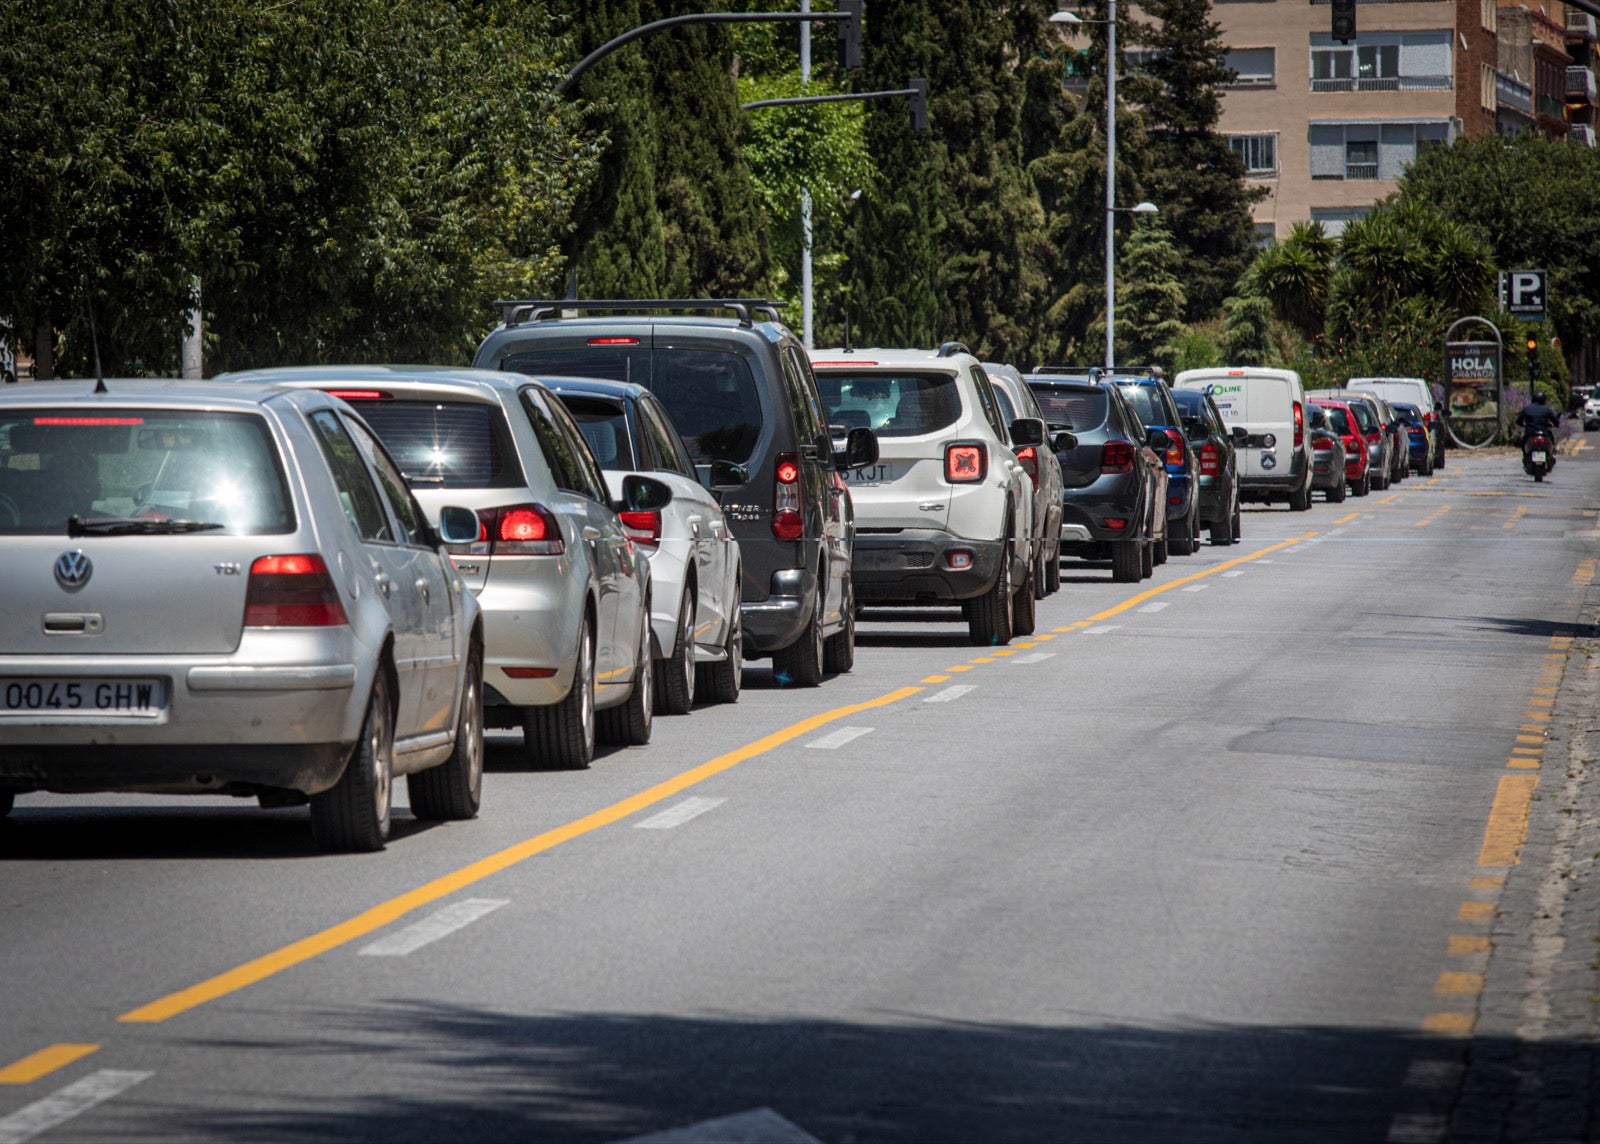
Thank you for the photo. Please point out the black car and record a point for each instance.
(1151, 398)
(740, 391)
(1215, 447)
(1114, 484)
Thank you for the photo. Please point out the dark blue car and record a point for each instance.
(1152, 400)
(1416, 434)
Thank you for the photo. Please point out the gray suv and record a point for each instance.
(739, 389)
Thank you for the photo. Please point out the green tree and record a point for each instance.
(1294, 277)
(1246, 331)
(1150, 298)
(1191, 173)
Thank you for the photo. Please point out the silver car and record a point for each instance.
(219, 590)
(564, 591)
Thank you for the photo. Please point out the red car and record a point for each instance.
(1343, 423)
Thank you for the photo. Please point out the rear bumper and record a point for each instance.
(1261, 486)
(913, 567)
(1084, 513)
(778, 621)
(306, 767)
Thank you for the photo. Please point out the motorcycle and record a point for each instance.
(1538, 454)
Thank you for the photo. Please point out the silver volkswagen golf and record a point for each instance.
(219, 589)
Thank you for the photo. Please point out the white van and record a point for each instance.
(1409, 391)
(1270, 405)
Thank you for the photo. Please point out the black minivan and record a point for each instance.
(741, 394)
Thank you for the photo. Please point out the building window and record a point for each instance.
(1361, 159)
(1266, 233)
(1489, 15)
(1383, 61)
(1486, 87)
(1256, 67)
(1258, 153)
(1335, 219)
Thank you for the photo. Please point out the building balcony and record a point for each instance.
(1550, 107)
(1580, 24)
(1580, 85)
(1581, 133)
(1513, 94)
(1386, 83)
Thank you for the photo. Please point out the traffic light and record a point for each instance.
(1533, 358)
(1344, 20)
(850, 33)
(919, 104)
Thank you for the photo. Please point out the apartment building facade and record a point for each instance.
(1328, 128)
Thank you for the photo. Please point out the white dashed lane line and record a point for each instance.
(1157, 606)
(832, 742)
(679, 813)
(1196, 587)
(1033, 657)
(1235, 572)
(950, 693)
(61, 1106)
(430, 929)
(1101, 629)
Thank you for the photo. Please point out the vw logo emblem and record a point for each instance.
(73, 569)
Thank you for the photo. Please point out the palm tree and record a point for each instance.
(1294, 276)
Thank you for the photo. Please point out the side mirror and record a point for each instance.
(1027, 431)
(1239, 435)
(860, 448)
(726, 475)
(1158, 441)
(1197, 430)
(458, 525)
(1062, 440)
(644, 494)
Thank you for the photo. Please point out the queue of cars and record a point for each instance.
(620, 502)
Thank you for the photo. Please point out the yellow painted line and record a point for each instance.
(1347, 518)
(1023, 645)
(1488, 881)
(1046, 636)
(1522, 763)
(1430, 484)
(1544, 690)
(937, 679)
(1540, 702)
(384, 913)
(1535, 727)
(984, 659)
(1530, 738)
(1448, 1024)
(1427, 520)
(1527, 750)
(1452, 984)
(1508, 821)
(1475, 911)
(1390, 499)
(999, 651)
(44, 1062)
(1462, 945)
(960, 667)
(1150, 593)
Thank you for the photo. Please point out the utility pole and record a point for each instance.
(805, 193)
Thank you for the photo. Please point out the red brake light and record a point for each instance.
(1116, 457)
(360, 394)
(292, 592)
(517, 530)
(88, 420)
(613, 341)
(642, 527)
(1210, 461)
(1028, 458)
(965, 464)
(1299, 425)
(1174, 454)
(1322, 443)
(788, 522)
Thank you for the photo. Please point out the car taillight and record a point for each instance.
(1028, 458)
(519, 530)
(1352, 444)
(292, 592)
(1299, 425)
(788, 523)
(1116, 457)
(642, 527)
(965, 463)
(1174, 454)
(1322, 444)
(1210, 461)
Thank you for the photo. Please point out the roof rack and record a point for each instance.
(949, 348)
(1076, 370)
(513, 312)
(1137, 371)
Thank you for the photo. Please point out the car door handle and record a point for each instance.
(422, 586)
(591, 533)
(385, 584)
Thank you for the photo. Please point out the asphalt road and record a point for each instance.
(1210, 858)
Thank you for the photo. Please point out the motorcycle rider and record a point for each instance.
(1537, 417)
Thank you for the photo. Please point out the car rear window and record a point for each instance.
(1146, 403)
(1071, 408)
(446, 444)
(1365, 417)
(891, 404)
(711, 396)
(152, 465)
(605, 426)
(1338, 420)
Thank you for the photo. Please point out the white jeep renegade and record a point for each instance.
(945, 515)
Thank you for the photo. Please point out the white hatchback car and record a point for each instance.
(946, 514)
(564, 592)
(694, 559)
(223, 590)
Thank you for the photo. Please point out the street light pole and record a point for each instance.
(805, 194)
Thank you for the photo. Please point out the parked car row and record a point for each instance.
(616, 506)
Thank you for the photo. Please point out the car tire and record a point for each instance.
(561, 736)
(839, 651)
(1053, 569)
(353, 815)
(1300, 499)
(1336, 494)
(1025, 606)
(1147, 560)
(800, 664)
(675, 675)
(453, 790)
(1363, 486)
(1188, 542)
(989, 615)
(8, 799)
(630, 723)
(1127, 560)
(720, 682)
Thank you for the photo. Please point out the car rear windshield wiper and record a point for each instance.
(423, 478)
(129, 525)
